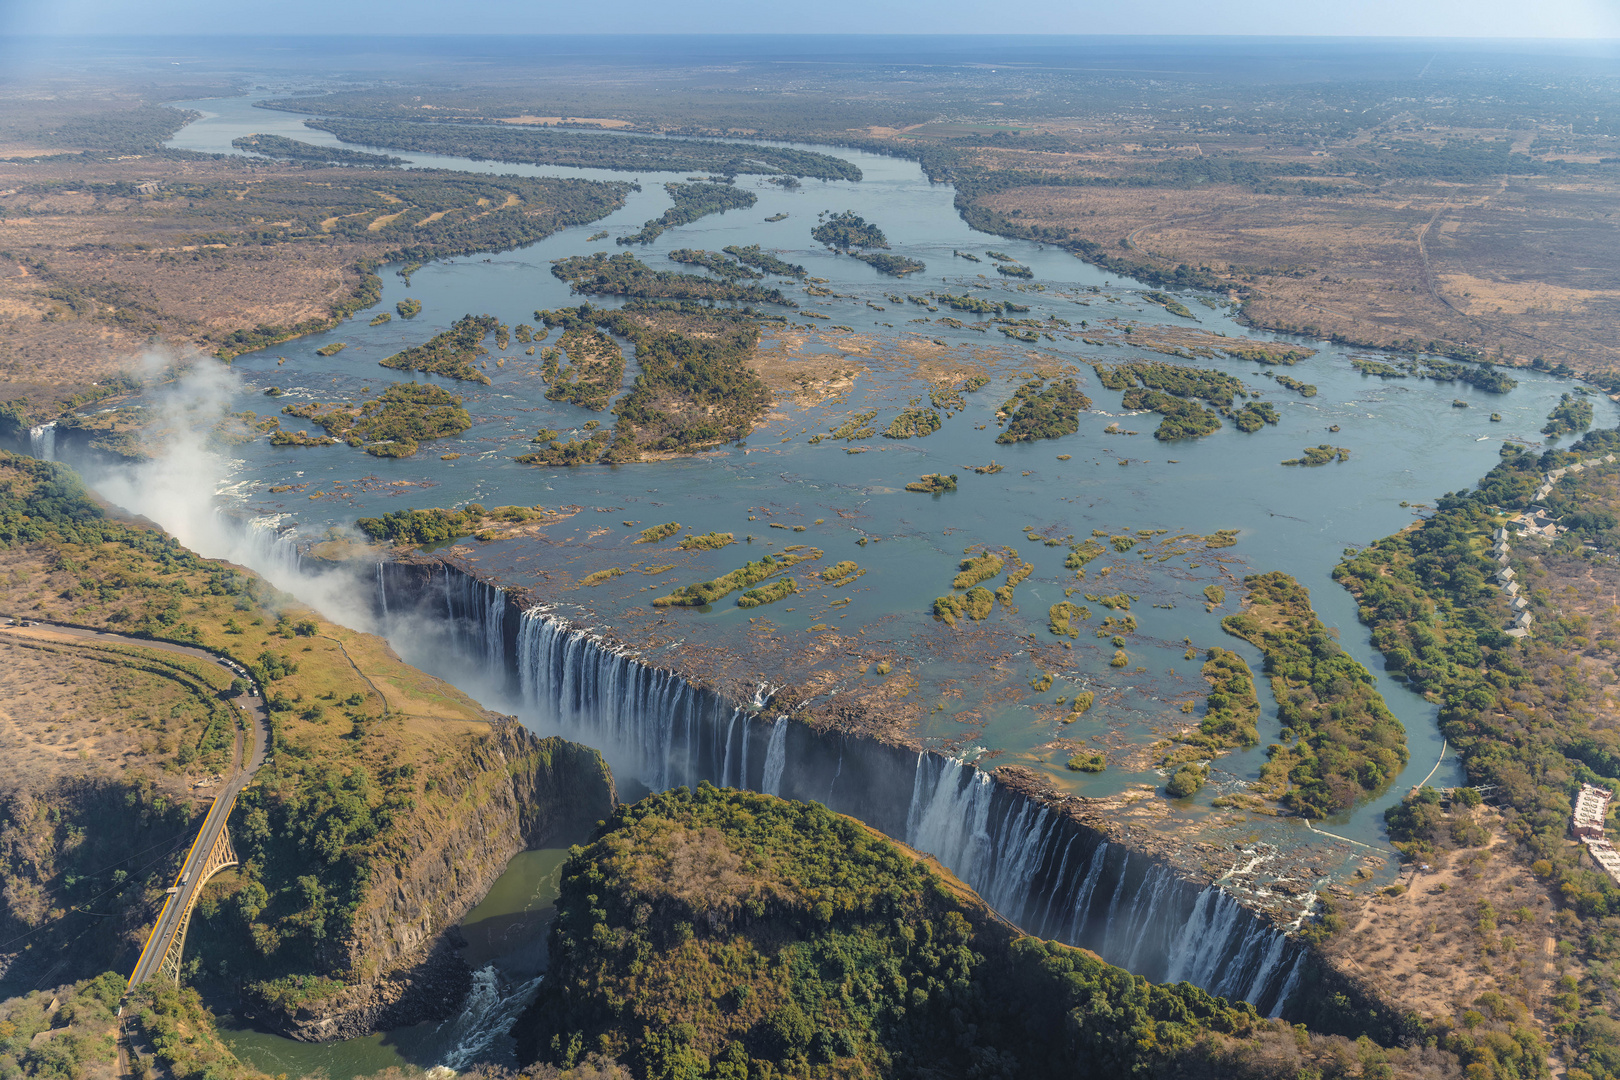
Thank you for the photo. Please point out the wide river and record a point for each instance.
(1409, 443)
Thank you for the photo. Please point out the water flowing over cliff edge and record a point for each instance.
(1031, 856)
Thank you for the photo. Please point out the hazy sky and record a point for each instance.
(1369, 18)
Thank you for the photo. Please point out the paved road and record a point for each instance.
(190, 880)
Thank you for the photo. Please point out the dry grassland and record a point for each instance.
(1478, 923)
(1524, 267)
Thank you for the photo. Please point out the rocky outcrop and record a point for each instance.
(512, 791)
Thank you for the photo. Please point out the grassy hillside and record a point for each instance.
(379, 778)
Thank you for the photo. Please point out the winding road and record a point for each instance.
(191, 880)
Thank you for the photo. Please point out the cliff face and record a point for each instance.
(511, 791)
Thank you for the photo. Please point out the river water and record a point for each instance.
(1408, 443)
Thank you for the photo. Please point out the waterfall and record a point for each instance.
(486, 1016)
(382, 590)
(1030, 862)
(42, 441)
(1288, 987)
(775, 758)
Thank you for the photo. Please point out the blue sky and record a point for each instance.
(1359, 18)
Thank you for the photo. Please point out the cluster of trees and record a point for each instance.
(626, 153)
(754, 256)
(893, 265)
(1572, 413)
(1520, 715)
(436, 525)
(692, 201)
(1038, 410)
(451, 353)
(1340, 741)
(696, 387)
(626, 275)
(744, 577)
(719, 264)
(1231, 711)
(279, 146)
(913, 423)
(720, 935)
(394, 423)
(849, 230)
(595, 371)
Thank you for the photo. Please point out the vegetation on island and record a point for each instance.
(625, 153)
(1303, 389)
(1254, 415)
(744, 577)
(976, 604)
(1014, 270)
(841, 573)
(1340, 742)
(691, 202)
(1174, 390)
(1572, 413)
(279, 146)
(715, 262)
(696, 387)
(450, 353)
(573, 452)
(1320, 454)
(764, 261)
(408, 308)
(706, 541)
(392, 424)
(766, 594)
(380, 318)
(1168, 302)
(1231, 712)
(933, 484)
(594, 371)
(893, 265)
(1490, 379)
(724, 934)
(976, 568)
(1089, 763)
(332, 349)
(602, 274)
(659, 532)
(435, 525)
(1042, 410)
(847, 230)
(1062, 616)
(913, 424)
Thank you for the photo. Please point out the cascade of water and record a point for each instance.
(954, 822)
(725, 768)
(487, 1015)
(1020, 856)
(42, 441)
(775, 758)
(1141, 920)
(1289, 986)
(1088, 887)
(1113, 905)
(382, 590)
(1268, 968)
(1052, 893)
